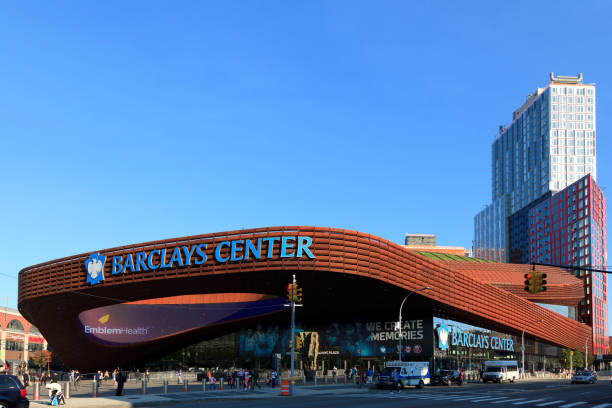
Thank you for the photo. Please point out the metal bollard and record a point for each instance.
(36, 391)
(143, 386)
(315, 379)
(221, 388)
(203, 383)
(165, 387)
(94, 391)
(67, 392)
(303, 380)
(186, 387)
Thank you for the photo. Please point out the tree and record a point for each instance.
(41, 358)
(577, 359)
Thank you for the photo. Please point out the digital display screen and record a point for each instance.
(136, 322)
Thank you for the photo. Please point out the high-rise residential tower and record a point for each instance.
(546, 206)
(549, 144)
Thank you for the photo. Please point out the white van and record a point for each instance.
(410, 373)
(500, 371)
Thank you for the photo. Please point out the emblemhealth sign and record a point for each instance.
(226, 251)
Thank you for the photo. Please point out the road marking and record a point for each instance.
(486, 399)
(544, 404)
(529, 401)
(507, 400)
(572, 404)
(602, 405)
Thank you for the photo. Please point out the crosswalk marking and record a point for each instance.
(602, 405)
(529, 401)
(486, 399)
(545, 404)
(507, 400)
(572, 404)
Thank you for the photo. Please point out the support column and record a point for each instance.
(26, 343)
(3, 345)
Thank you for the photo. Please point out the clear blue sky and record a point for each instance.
(123, 122)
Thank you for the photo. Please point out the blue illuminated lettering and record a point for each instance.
(140, 261)
(236, 249)
(163, 259)
(176, 256)
(303, 244)
(250, 248)
(218, 251)
(129, 263)
(200, 252)
(150, 259)
(117, 265)
(188, 254)
(286, 245)
(271, 245)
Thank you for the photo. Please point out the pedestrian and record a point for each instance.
(77, 379)
(26, 379)
(370, 375)
(274, 375)
(180, 377)
(240, 377)
(396, 381)
(121, 379)
(247, 379)
(255, 380)
(335, 374)
(213, 383)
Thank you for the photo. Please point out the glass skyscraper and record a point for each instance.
(546, 206)
(549, 144)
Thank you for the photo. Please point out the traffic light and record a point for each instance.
(299, 342)
(291, 290)
(541, 282)
(298, 294)
(528, 282)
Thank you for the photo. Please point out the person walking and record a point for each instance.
(335, 374)
(121, 378)
(247, 379)
(274, 375)
(255, 380)
(180, 377)
(77, 380)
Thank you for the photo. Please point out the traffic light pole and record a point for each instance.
(292, 381)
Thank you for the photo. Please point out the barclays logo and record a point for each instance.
(443, 333)
(95, 268)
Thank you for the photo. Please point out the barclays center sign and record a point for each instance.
(461, 338)
(180, 256)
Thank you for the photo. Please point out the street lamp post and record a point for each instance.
(400, 318)
(523, 345)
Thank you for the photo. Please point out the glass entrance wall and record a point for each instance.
(466, 347)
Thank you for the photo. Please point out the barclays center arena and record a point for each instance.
(219, 300)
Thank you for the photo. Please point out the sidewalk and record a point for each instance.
(135, 400)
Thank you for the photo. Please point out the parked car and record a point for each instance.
(585, 377)
(447, 377)
(12, 392)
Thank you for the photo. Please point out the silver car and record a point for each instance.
(585, 377)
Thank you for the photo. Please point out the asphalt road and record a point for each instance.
(549, 394)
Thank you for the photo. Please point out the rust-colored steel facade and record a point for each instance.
(52, 294)
(562, 287)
